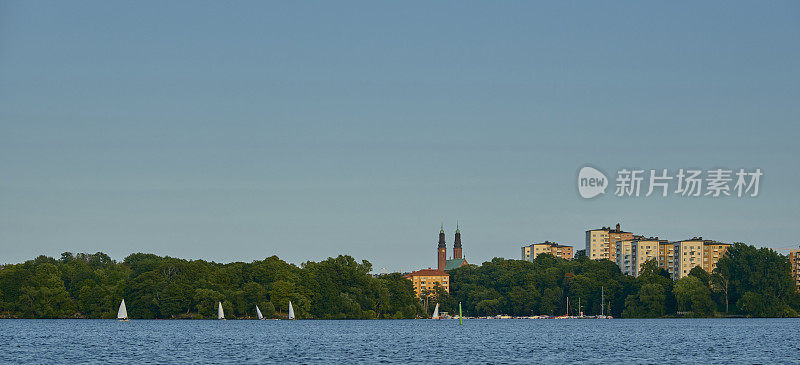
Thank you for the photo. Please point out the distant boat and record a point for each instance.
(122, 314)
(220, 313)
(258, 311)
(291, 310)
(436, 312)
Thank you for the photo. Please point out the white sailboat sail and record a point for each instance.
(220, 313)
(123, 312)
(436, 312)
(258, 311)
(291, 310)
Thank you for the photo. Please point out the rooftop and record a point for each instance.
(646, 239)
(551, 244)
(705, 242)
(453, 264)
(428, 272)
(616, 229)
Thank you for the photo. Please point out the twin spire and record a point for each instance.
(441, 229)
(457, 253)
(458, 228)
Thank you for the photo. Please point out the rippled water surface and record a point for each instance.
(402, 341)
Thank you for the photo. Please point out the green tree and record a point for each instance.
(763, 273)
(647, 303)
(280, 295)
(267, 310)
(693, 296)
(399, 299)
(253, 294)
(44, 295)
(207, 300)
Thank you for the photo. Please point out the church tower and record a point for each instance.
(457, 244)
(441, 250)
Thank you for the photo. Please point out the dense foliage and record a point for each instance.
(92, 285)
(747, 282)
(756, 282)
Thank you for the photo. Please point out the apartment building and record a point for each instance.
(632, 254)
(712, 252)
(794, 258)
(601, 244)
(530, 252)
(666, 256)
(427, 279)
(697, 252)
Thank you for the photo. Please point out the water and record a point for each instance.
(402, 341)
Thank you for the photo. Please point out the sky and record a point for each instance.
(234, 131)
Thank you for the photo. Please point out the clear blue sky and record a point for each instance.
(239, 130)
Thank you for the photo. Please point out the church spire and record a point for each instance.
(442, 244)
(457, 254)
(441, 251)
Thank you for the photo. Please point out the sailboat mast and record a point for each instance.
(602, 299)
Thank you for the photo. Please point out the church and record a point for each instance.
(458, 260)
(426, 280)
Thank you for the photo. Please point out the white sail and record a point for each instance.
(123, 312)
(291, 310)
(220, 313)
(436, 312)
(258, 311)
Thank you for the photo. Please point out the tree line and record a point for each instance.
(92, 286)
(747, 282)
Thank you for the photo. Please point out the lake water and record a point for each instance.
(402, 341)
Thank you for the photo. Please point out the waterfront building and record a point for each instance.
(632, 254)
(601, 244)
(427, 279)
(697, 252)
(530, 252)
(794, 258)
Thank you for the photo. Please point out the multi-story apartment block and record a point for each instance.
(712, 252)
(632, 254)
(794, 258)
(697, 252)
(666, 256)
(601, 244)
(530, 252)
(427, 279)
(626, 256)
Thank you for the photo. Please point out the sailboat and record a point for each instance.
(291, 310)
(122, 314)
(258, 311)
(436, 312)
(220, 313)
